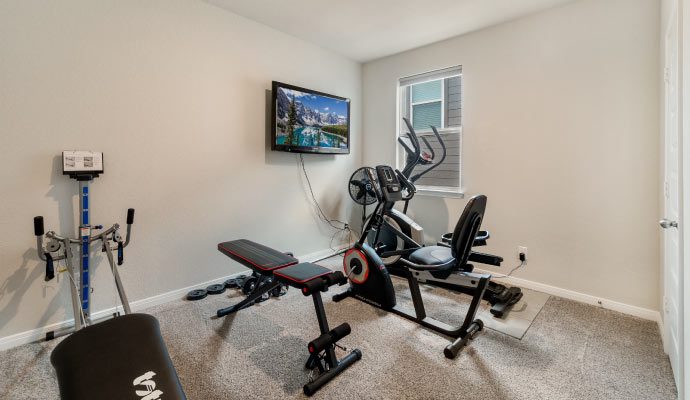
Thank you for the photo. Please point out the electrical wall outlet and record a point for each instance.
(522, 249)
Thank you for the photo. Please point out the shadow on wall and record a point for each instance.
(432, 214)
(63, 191)
(19, 283)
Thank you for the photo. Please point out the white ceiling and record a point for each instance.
(364, 30)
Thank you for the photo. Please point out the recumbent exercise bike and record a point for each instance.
(396, 236)
(369, 278)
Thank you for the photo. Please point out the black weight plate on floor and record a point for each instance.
(233, 283)
(215, 289)
(249, 285)
(196, 294)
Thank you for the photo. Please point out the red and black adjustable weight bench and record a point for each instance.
(123, 358)
(275, 267)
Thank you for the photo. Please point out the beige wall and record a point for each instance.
(561, 132)
(175, 94)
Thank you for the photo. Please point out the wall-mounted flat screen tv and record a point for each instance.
(307, 121)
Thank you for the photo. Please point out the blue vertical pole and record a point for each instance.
(84, 233)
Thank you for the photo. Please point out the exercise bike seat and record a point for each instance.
(442, 258)
(432, 255)
(120, 359)
(256, 256)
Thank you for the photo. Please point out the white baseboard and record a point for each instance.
(38, 334)
(139, 305)
(640, 312)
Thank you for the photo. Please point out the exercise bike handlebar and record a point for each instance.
(428, 146)
(416, 154)
(435, 165)
(408, 184)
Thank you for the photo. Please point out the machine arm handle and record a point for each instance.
(38, 231)
(440, 141)
(414, 157)
(50, 269)
(130, 221)
(407, 183)
(38, 226)
(428, 146)
(120, 253)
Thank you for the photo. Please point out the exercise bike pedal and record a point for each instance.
(498, 310)
(516, 298)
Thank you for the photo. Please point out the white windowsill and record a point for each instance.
(441, 192)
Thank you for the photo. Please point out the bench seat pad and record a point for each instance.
(298, 275)
(256, 256)
(120, 359)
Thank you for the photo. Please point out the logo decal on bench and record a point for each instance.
(150, 393)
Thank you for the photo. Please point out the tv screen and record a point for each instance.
(308, 121)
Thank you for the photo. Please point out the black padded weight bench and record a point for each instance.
(119, 359)
(275, 267)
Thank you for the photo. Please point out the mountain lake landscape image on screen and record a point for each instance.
(306, 119)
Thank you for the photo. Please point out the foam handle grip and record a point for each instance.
(314, 285)
(320, 343)
(50, 270)
(38, 226)
(336, 278)
(327, 339)
(340, 331)
(120, 254)
(130, 216)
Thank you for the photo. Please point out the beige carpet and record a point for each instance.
(571, 351)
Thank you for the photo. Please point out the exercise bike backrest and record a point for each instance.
(467, 228)
(415, 156)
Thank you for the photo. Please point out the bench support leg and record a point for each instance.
(328, 364)
(260, 291)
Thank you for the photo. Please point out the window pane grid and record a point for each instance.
(428, 91)
(426, 114)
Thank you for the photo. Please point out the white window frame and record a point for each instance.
(436, 191)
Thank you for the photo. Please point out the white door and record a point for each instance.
(672, 255)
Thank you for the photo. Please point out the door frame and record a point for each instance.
(673, 256)
(684, 121)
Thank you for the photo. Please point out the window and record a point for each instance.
(433, 99)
